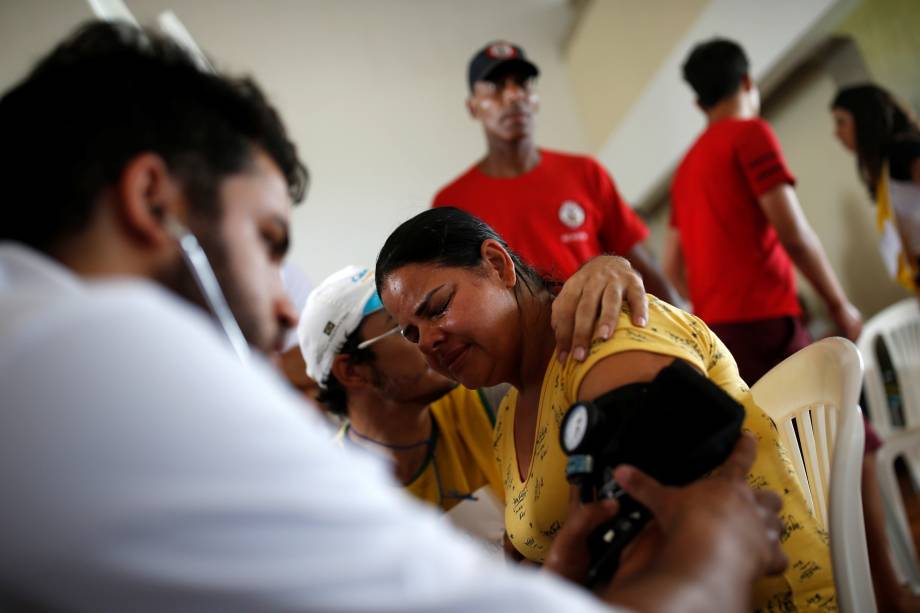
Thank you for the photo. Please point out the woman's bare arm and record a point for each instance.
(622, 369)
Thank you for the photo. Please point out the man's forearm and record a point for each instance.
(781, 206)
(691, 583)
(673, 263)
(677, 276)
(663, 593)
(655, 282)
(657, 285)
(810, 259)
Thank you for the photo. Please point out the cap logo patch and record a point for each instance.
(501, 51)
(329, 328)
(571, 214)
(357, 277)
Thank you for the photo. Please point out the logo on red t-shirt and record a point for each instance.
(571, 214)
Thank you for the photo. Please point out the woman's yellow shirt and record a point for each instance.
(536, 506)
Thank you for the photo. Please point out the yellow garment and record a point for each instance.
(460, 458)
(536, 507)
(884, 213)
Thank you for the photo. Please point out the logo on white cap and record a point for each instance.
(571, 214)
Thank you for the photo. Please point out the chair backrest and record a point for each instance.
(900, 445)
(804, 395)
(899, 327)
(813, 398)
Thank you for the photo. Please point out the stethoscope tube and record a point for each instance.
(200, 268)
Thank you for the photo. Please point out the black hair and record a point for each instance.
(715, 69)
(446, 236)
(332, 393)
(878, 120)
(108, 93)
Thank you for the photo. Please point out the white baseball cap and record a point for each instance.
(333, 311)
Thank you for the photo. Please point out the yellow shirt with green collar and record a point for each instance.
(536, 506)
(460, 458)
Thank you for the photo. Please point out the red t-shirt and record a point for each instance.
(737, 270)
(557, 216)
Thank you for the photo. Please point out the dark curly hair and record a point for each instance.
(108, 93)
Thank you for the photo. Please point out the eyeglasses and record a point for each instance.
(371, 341)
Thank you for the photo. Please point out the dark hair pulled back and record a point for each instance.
(447, 236)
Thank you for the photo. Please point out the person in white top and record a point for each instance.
(145, 467)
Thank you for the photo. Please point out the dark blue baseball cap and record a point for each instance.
(495, 54)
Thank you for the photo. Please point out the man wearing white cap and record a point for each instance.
(438, 434)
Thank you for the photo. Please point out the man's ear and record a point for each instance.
(472, 106)
(349, 374)
(747, 83)
(147, 193)
(498, 261)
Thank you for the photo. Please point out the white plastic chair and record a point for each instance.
(899, 327)
(818, 389)
(901, 540)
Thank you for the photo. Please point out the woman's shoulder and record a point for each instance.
(635, 351)
(668, 329)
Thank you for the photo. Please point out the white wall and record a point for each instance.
(371, 90)
(616, 47)
(650, 140)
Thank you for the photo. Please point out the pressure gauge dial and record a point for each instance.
(574, 428)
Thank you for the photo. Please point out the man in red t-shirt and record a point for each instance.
(737, 227)
(557, 210)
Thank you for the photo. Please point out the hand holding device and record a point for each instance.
(676, 428)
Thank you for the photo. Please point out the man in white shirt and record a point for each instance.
(145, 468)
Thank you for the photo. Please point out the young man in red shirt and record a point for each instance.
(557, 210)
(737, 227)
